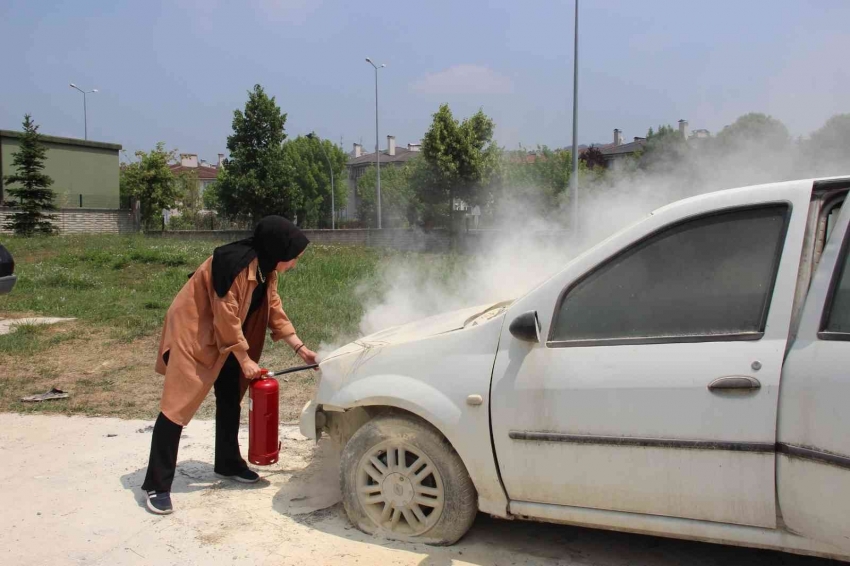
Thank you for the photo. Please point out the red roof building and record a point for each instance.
(206, 172)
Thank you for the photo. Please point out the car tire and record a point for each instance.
(401, 478)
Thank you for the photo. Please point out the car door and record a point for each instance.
(813, 467)
(654, 386)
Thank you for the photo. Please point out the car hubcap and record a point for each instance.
(400, 488)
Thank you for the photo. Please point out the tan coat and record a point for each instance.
(201, 329)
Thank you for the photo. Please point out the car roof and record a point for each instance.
(808, 185)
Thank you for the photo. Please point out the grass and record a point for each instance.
(103, 280)
(119, 288)
(126, 284)
(28, 339)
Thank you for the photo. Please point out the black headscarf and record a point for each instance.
(275, 239)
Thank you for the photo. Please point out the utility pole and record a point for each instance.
(85, 114)
(574, 179)
(377, 143)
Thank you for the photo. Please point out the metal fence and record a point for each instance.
(205, 220)
(84, 200)
(80, 200)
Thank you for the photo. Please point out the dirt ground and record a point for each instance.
(108, 377)
(71, 496)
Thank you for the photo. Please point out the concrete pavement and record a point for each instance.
(71, 495)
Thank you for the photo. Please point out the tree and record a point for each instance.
(553, 169)
(461, 159)
(33, 196)
(190, 202)
(539, 178)
(210, 198)
(828, 149)
(310, 179)
(535, 184)
(190, 192)
(754, 130)
(664, 149)
(151, 181)
(257, 179)
(421, 182)
(399, 205)
(593, 158)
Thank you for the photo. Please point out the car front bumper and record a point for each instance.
(308, 420)
(6, 283)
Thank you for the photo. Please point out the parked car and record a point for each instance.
(688, 377)
(7, 271)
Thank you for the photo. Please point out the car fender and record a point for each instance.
(443, 379)
(420, 399)
(442, 413)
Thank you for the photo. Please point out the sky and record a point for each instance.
(175, 71)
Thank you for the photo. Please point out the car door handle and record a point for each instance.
(735, 382)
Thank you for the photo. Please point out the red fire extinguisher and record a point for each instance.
(263, 417)
(263, 420)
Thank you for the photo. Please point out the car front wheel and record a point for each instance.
(402, 479)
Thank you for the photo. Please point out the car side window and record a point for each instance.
(836, 320)
(704, 279)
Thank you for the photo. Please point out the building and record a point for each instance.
(618, 150)
(84, 172)
(358, 162)
(207, 173)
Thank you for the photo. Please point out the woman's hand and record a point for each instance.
(308, 355)
(251, 369)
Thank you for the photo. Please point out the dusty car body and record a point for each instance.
(687, 377)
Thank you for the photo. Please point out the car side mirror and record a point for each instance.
(526, 327)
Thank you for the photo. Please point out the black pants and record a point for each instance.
(166, 434)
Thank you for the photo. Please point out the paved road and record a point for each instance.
(71, 496)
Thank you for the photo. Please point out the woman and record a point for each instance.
(213, 338)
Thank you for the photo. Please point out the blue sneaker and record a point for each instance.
(245, 476)
(159, 502)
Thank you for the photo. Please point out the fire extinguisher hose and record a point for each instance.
(268, 374)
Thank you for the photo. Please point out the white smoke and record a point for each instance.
(531, 247)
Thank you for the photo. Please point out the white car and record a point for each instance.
(688, 377)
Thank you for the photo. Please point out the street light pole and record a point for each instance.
(574, 183)
(312, 135)
(377, 146)
(85, 113)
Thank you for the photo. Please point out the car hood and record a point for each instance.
(432, 326)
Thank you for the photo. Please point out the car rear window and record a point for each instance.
(838, 315)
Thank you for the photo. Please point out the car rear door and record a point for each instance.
(655, 387)
(813, 467)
